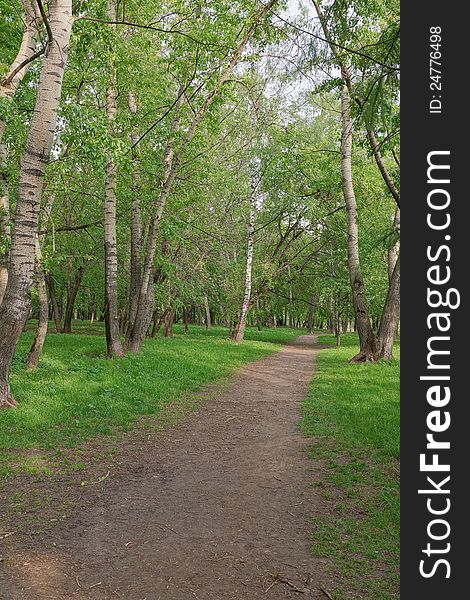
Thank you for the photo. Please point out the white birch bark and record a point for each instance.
(136, 236)
(239, 331)
(113, 341)
(16, 301)
(8, 88)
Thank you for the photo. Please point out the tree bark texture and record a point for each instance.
(56, 309)
(136, 235)
(239, 331)
(8, 88)
(113, 341)
(361, 310)
(32, 361)
(207, 312)
(16, 302)
(390, 316)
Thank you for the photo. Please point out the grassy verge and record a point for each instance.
(353, 413)
(77, 393)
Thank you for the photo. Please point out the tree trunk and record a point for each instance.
(32, 361)
(239, 331)
(394, 250)
(311, 312)
(390, 316)
(72, 291)
(381, 164)
(338, 330)
(16, 301)
(186, 320)
(157, 323)
(136, 234)
(207, 312)
(168, 323)
(113, 341)
(367, 339)
(56, 311)
(290, 309)
(146, 294)
(8, 87)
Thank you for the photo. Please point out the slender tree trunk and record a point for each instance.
(291, 302)
(394, 250)
(381, 165)
(239, 331)
(16, 301)
(207, 312)
(113, 341)
(186, 319)
(338, 330)
(72, 291)
(168, 323)
(199, 315)
(367, 339)
(361, 310)
(56, 311)
(146, 294)
(311, 312)
(157, 323)
(136, 234)
(8, 87)
(32, 361)
(43, 312)
(388, 328)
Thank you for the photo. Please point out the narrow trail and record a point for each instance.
(216, 508)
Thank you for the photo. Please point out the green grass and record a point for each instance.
(77, 393)
(352, 410)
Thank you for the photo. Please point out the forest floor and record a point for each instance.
(216, 507)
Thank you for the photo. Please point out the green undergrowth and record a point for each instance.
(352, 412)
(77, 393)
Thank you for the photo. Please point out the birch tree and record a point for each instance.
(8, 86)
(239, 331)
(16, 302)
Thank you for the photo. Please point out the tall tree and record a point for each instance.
(371, 346)
(8, 88)
(173, 162)
(239, 331)
(113, 341)
(16, 301)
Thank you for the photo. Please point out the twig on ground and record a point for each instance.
(267, 589)
(6, 535)
(95, 585)
(327, 594)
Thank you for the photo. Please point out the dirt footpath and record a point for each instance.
(216, 508)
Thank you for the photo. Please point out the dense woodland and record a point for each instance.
(202, 161)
